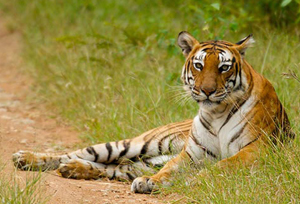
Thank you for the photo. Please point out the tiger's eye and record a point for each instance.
(224, 68)
(198, 66)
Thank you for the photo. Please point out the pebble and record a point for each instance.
(24, 141)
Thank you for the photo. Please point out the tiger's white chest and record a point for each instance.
(222, 136)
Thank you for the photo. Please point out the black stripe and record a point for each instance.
(88, 149)
(145, 147)
(188, 64)
(246, 123)
(238, 134)
(233, 111)
(251, 83)
(92, 151)
(203, 148)
(221, 51)
(131, 177)
(246, 117)
(160, 143)
(206, 125)
(126, 148)
(234, 65)
(250, 142)
(240, 75)
(79, 156)
(109, 149)
(233, 60)
(171, 144)
(135, 159)
(159, 165)
(117, 144)
(191, 158)
(145, 161)
(205, 49)
(236, 73)
(68, 156)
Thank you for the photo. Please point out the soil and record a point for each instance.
(29, 126)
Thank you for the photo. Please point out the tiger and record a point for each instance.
(239, 115)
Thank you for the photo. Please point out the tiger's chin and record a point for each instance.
(208, 102)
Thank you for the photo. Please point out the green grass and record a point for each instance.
(112, 68)
(275, 179)
(14, 190)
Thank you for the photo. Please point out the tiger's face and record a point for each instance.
(212, 71)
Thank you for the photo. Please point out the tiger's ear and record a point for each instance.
(186, 42)
(243, 44)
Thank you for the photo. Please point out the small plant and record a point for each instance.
(14, 190)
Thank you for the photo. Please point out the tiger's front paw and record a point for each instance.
(78, 170)
(143, 185)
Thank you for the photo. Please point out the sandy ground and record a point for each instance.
(28, 126)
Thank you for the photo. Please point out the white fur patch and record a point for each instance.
(199, 57)
(232, 127)
(225, 58)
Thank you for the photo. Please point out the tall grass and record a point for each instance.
(14, 190)
(112, 68)
(275, 178)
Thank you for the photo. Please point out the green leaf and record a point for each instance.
(233, 27)
(216, 6)
(284, 3)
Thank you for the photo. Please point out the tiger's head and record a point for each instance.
(213, 70)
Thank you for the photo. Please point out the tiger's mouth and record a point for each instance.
(209, 100)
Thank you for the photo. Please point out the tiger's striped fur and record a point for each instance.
(239, 113)
(124, 159)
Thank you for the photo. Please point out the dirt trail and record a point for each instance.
(26, 126)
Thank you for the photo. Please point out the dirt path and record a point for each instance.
(27, 126)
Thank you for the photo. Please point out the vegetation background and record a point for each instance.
(112, 69)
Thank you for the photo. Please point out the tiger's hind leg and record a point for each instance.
(84, 169)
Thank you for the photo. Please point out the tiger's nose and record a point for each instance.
(208, 90)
